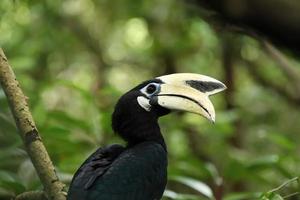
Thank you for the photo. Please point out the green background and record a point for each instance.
(75, 58)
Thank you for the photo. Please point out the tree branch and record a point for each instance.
(32, 195)
(293, 98)
(276, 20)
(229, 58)
(283, 63)
(28, 131)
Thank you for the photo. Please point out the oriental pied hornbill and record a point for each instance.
(138, 171)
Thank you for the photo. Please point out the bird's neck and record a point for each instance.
(138, 127)
(145, 132)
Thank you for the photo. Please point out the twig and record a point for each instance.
(291, 195)
(284, 184)
(36, 150)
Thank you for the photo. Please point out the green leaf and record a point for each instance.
(199, 186)
(242, 196)
(16, 187)
(271, 196)
(68, 120)
(282, 140)
(277, 197)
(7, 176)
(176, 196)
(264, 162)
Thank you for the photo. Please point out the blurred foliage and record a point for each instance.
(75, 58)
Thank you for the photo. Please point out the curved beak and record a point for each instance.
(189, 92)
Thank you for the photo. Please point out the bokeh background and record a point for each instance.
(75, 58)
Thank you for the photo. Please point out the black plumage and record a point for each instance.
(138, 171)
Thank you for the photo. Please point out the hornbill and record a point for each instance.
(138, 171)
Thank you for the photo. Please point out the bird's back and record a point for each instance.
(116, 173)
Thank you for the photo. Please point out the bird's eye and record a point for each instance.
(151, 88)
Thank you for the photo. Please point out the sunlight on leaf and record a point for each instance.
(168, 194)
(195, 184)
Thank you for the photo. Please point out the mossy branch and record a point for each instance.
(32, 195)
(54, 189)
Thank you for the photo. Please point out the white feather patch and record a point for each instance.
(144, 103)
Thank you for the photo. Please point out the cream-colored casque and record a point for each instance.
(187, 92)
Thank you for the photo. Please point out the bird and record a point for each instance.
(138, 170)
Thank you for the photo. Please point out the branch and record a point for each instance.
(229, 58)
(259, 16)
(236, 139)
(88, 40)
(293, 98)
(32, 195)
(283, 63)
(36, 150)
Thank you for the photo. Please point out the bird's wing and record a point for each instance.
(137, 173)
(95, 166)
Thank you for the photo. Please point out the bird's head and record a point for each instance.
(137, 111)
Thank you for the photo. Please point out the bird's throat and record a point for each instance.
(136, 128)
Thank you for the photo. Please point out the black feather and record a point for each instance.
(135, 172)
